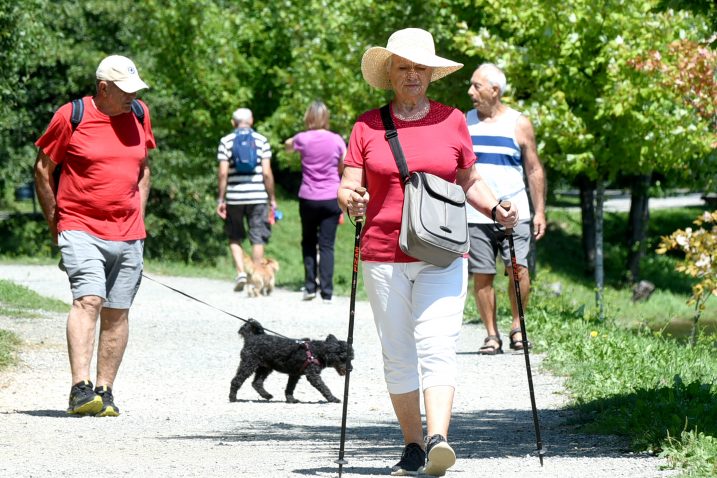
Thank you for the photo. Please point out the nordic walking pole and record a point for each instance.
(350, 339)
(516, 283)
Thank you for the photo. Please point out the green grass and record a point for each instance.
(17, 301)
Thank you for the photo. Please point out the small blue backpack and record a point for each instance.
(244, 158)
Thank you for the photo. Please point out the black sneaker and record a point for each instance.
(439, 456)
(412, 460)
(109, 409)
(83, 400)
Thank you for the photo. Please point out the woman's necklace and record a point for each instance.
(419, 113)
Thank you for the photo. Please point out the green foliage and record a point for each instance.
(667, 305)
(25, 235)
(700, 261)
(693, 452)
(572, 69)
(203, 59)
(699, 247)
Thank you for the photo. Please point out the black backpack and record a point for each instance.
(244, 157)
(78, 111)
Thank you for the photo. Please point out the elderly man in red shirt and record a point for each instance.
(95, 212)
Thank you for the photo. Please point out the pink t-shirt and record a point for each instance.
(101, 164)
(438, 144)
(321, 150)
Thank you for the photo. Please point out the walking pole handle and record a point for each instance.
(506, 205)
(360, 191)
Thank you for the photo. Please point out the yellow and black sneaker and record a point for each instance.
(109, 409)
(83, 400)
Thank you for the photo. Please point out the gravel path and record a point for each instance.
(177, 421)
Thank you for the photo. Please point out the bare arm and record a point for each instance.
(222, 176)
(289, 145)
(144, 182)
(535, 174)
(268, 180)
(481, 197)
(341, 164)
(46, 189)
(349, 200)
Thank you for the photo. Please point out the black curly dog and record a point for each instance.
(263, 354)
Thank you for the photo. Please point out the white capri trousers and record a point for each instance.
(418, 312)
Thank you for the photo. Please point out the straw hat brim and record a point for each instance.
(373, 65)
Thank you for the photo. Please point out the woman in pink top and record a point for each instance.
(322, 154)
(417, 306)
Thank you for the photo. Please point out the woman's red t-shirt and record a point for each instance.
(101, 165)
(438, 144)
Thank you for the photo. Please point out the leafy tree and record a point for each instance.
(571, 71)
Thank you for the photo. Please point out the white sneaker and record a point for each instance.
(439, 456)
(240, 282)
(309, 295)
(328, 301)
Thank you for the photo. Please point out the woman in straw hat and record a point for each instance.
(417, 307)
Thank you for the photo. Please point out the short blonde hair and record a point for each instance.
(317, 116)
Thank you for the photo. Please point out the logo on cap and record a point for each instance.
(131, 70)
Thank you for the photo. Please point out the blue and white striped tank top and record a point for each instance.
(499, 161)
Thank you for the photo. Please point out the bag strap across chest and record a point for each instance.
(394, 143)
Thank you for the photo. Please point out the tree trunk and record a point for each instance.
(599, 264)
(587, 208)
(637, 226)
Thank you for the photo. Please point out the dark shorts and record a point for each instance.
(487, 242)
(108, 269)
(257, 216)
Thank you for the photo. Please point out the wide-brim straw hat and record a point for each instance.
(413, 44)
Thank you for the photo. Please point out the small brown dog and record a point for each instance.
(263, 278)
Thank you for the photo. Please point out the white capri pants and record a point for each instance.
(418, 312)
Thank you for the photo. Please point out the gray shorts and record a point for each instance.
(487, 241)
(257, 216)
(108, 269)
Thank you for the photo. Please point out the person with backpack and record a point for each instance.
(246, 191)
(95, 211)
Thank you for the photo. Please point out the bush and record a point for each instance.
(25, 235)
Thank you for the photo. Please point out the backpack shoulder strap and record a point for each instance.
(138, 111)
(78, 110)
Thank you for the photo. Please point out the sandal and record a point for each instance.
(487, 349)
(517, 344)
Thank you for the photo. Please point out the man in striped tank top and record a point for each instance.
(504, 143)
